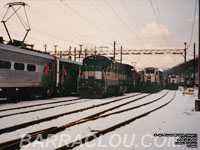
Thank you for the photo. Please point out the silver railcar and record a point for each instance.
(25, 72)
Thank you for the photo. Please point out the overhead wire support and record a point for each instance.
(127, 52)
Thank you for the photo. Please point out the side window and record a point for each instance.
(19, 66)
(50, 66)
(5, 64)
(31, 67)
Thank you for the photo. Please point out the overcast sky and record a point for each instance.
(134, 24)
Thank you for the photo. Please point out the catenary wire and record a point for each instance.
(108, 21)
(164, 38)
(113, 10)
(193, 22)
(158, 10)
(87, 20)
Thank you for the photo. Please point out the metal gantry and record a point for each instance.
(83, 53)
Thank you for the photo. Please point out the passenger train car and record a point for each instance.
(100, 77)
(25, 72)
(173, 82)
(152, 80)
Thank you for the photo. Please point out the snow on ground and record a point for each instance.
(86, 128)
(21, 118)
(12, 120)
(38, 107)
(177, 117)
(33, 102)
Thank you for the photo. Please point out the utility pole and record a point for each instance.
(95, 51)
(74, 53)
(45, 48)
(121, 55)
(197, 102)
(86, 52)
(70, 57)
(194, 66)
(55, 48)
(185, 63)
(199, 75)
(199, 64)
(80, 52)
(114, 50)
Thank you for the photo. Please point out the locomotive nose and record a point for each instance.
(149, 77)
(91, 81)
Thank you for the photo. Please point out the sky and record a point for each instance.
(133, 24)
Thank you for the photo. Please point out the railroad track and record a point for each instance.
(14, 144)
(11, 101)
(26, 124)
(24, 112)
(111, 128)
(28, 106)
(53, 130)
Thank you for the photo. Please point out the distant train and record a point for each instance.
(173, 82)
(152, 80)
(100, 77)
(25, 72)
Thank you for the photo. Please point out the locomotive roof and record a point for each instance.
(34, 53)
(70, 61)
(172, 75)
(126, 65)
(153, 68)
(97, 56)
(108, 59)
(25, 51)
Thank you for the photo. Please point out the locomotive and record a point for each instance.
(152, 80)
(101, 76)
(135, 84)
(173, 82)
(25, 72)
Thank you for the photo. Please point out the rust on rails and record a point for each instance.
(110, 129)
(26, 124)
(39, 104)
(24, 112)
(55, 130)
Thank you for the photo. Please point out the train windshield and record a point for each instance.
(149, 71)
(173, 76)
(93, 65)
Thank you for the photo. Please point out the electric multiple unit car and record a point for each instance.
(26, 72)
